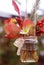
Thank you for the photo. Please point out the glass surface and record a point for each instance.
(29, 51)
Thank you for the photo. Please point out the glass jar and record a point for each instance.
(29, 51)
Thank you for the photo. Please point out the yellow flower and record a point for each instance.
(13, 20)
(26, 30)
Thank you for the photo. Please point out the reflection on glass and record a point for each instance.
(29, 51)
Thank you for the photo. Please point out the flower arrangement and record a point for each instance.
(14, 27)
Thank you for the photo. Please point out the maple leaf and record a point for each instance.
(11, 30)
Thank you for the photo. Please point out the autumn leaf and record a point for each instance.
(11, 30)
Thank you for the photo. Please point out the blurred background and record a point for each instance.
(7, 49)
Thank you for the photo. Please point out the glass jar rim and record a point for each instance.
(31, 39)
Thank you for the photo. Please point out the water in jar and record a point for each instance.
(29, 51)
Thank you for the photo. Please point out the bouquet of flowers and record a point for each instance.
(15, 26)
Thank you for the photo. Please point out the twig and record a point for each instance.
(34, 14)
(36, 6)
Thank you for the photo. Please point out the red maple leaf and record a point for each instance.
(7, 21)
(27, 22)
(11, 30)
